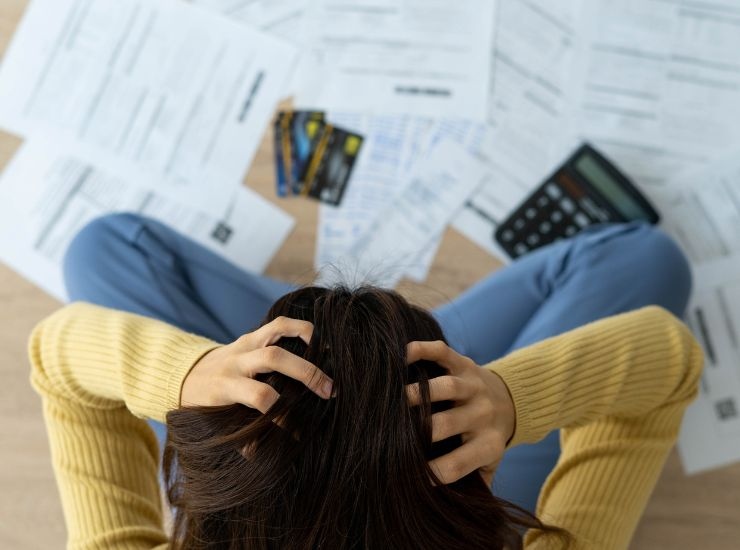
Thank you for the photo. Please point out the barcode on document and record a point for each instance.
(726, 409)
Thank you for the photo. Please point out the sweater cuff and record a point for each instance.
(188, 351)
(510, 370)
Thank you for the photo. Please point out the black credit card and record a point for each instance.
(331, 164)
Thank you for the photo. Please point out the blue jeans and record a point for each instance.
(136, 264)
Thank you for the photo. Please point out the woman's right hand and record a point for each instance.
(483, 414)
(226, 375)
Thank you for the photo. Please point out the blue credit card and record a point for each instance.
(281, 177)
(306, 129)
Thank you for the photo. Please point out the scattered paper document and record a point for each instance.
(415, 57)
(376, 179)
(277, 17)
(529, 108)
(417, 218)
(657, 84)
(157, 90)
(710, 433)
(394, 145)
(465, 133)
(702, 210)
(532, 59)
(47, 196)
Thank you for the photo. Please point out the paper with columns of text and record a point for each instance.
(277, 17)
(656, 85)
(416, 219)
(528, 109)
(415, 57)
(702, 210)
(393, 147)
(160, 92)
(710, 433)
(46, 196)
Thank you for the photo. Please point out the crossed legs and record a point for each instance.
(136, 264)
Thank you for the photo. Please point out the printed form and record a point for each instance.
(168, 94)
(47, 196)
(416, 57)
(531, 64)
(278, 17)
(657, 86)
(702, 211)
(394, 146)
(710, 433)
(390, 148)
(436, 191)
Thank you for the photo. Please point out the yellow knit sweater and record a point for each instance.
(617, 387)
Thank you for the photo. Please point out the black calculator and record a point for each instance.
(585, 190)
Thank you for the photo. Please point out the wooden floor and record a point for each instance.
(697, 512)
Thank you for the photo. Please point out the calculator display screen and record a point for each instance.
(597, 176)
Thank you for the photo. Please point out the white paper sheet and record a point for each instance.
(528, 110)
(470, 136)
(702, 210)
(47, 195)
(278, 17)
(375, 181)
(393, 146)
(657, 85)
(710, 433)
(417, 217)
(415, 57)
(531, 61)
(163, 93)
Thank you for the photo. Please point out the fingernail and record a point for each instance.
(326, 388)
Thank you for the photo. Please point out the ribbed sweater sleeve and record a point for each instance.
(618, 389)
(99, 373)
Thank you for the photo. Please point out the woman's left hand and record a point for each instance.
(483, 414)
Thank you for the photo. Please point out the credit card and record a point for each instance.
(331, 164)
(281, 180)
(306, 129)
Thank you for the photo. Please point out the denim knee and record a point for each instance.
(656, 259)
(663, 259)
(93, 247)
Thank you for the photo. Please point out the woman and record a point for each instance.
(246, 469)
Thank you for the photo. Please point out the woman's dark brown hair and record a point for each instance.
(350, 472)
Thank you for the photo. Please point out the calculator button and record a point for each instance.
(568, 205)
(556, 216)
(545, 227)
(553, 190)
(530, 213)
(507, 235)
(519, 224)
(520, 249)
(533, 239)
(581, 219)
(543, 201)
(570, 230)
